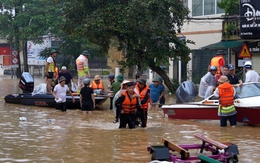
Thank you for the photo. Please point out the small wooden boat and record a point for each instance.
(217, 152)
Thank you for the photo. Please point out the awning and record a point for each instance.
(224, 44)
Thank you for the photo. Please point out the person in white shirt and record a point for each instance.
(59, 93)
(251, 75)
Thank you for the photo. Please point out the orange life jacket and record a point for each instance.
(226, 94)
(215, 62)
(129, 105)
(95, 86)
(56, 72)
(142, 95)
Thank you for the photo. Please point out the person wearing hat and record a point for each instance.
(144, 92)
(50, 70)
(121, 90)
(59, 93)
(156, 93)
(64, 72)
(128, 104)
(82, 68)
(111, 79)
(162, 100)
(97, 85)
(232, 77)
(87, 99)
(116, 85)
(219, 62)
(251, 75)
(226, 110)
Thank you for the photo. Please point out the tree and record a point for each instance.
(24, 20)
(231, 7)
(143, 27)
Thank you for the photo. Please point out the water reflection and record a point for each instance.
(73, 137)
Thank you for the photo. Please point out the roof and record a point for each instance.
(224, 44)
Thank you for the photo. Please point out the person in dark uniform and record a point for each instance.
(87, 99)
(232, 77)
(162, 100)
(128, 104)
(111, 79)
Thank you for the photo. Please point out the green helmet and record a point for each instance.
(53, 51)
(85, 52)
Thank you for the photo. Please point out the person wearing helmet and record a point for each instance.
(82, 68)
(208, 83)
(87, 99)
(50, 69)
(219, 62)
(111, 79)
(251, 75)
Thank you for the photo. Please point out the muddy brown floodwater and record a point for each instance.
(73, 137)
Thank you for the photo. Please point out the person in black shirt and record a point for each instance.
(64, 72)
(232, 77)
(87, 99)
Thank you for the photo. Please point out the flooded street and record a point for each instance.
(54, 136)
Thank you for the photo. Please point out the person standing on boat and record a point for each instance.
(219, 62)
(87, 99)
(97, 85)
(111, 79)
(128, 104)
(59, 92)
(64, 72)
(251, 75)
(144, 92)
(208, 83)
(50, 70)
(232, 77)
(156, 93)
(226, 110)
(82, 68)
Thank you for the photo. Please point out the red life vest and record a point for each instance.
(226, 94)
(142, 95)
(129, 105)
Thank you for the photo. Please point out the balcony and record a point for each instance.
(230, 30)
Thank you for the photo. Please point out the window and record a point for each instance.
(197, 7)
(205, 7)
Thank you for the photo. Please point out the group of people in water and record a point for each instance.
(220, 81)
(130, 100)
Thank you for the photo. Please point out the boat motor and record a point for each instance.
(186, 92)
(26, 82)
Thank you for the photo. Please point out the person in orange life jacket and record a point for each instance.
(128, 104)
(97, 85)
(226, 93)
(144, 92)
(111, 79)
(219, 62)
(50, 69)
(82, 68)
(122, 89)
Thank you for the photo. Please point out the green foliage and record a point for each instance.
(104, 73)
(231, 7)
(142, 28)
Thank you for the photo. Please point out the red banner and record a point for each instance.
(4, 49)
(6, 60)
